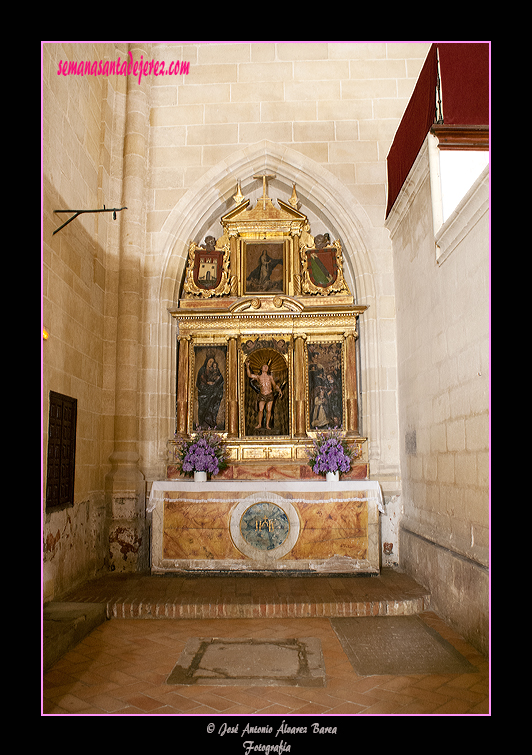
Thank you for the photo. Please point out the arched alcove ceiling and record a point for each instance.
(328, 204)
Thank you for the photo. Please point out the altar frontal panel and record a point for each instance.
(219, 530)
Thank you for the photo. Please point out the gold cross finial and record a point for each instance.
(265, 177)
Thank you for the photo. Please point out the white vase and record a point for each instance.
(332, 476)
(200, 476)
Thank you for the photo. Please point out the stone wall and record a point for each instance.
(82, 157)
(442, 300)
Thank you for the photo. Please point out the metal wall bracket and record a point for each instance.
(114, 210)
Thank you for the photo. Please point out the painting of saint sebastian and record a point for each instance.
(268, 389)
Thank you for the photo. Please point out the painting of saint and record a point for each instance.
(268, 390)
(266, 400)
(209, 407)
(325, 386)
(264, 268)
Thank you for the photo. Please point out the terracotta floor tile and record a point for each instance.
(482, 708)
(240, 710)
(346, 709)
(180, 703)
(454, 706)
(358, 698)
(312, 708)
(107, 703)
(203, 710)
(143, 702)
(72, 703)
(382, 708)
(121, 669)
(88, 691)
(417, 708)
(216, 702)
(276, 710)
(129, 690)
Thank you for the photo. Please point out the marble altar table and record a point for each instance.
(265, 526)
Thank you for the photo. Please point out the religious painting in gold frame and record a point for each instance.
(208, 380)
(266, 411)
(325, 385)
(264, 267)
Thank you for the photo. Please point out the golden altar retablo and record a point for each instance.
(267, 331)
(267, 334)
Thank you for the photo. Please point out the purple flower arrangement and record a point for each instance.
(204, 452)
(330, 453)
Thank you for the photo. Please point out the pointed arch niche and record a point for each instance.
(329, 206)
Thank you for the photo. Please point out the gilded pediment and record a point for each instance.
(265, 252)
(264, 210)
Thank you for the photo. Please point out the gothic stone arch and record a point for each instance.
(207, 200)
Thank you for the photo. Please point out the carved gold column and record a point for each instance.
(298, 391)
(182, 386)
(232, 378)
(351, 383)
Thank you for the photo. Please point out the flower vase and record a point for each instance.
(332, 476)
(200, 476)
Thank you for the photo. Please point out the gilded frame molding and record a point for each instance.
(266, 279)
(338, 286)
(191, 289)
(203, 349)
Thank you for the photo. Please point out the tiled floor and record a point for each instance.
(122, 666)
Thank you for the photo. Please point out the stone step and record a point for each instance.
(133, 596)
(65, 625)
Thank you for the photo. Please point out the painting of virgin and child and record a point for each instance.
(209, 407)
(325, 408)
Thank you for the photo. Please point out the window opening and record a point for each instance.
(61, 451)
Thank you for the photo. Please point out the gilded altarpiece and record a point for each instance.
(266, 356)
(267, 331)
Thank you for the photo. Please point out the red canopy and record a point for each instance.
(464, 93)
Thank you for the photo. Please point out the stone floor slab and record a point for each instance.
(253, 662)
(397, 645)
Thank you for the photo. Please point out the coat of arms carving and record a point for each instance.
(207, 270)
(322, 267)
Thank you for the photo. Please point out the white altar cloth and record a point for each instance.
(160, 487)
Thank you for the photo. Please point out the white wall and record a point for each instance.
(442, 300)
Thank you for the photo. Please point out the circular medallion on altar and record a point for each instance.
(264, 527)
